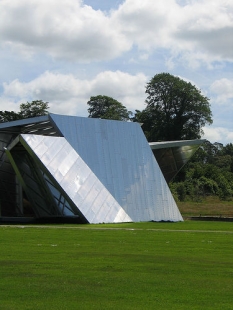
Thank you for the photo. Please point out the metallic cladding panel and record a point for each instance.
(172, 156)
(119, 156)
(16, 125)
(73, 175)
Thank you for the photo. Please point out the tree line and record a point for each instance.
(26, 110)
(208, 173)
(175, 110)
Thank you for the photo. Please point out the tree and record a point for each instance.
(209, 172)
(176, 109)
(107, 108)
(29, 109)
(228, 150)
(33, 109)
(8, 116)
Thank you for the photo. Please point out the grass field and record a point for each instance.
(210, 206)
(186, 265)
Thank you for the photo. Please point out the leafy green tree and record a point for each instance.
(228, 150)
(33, 109)
(107, 108)
(176, 109)
(29, 109)
(8, 116)
(208, 173)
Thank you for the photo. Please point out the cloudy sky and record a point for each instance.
(64, 51)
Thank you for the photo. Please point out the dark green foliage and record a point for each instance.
(180, 189)
(34, 108)
(228, 150)
(107, 108)
(8, 116)
(208, 173)
(176, 110)
(27, 110)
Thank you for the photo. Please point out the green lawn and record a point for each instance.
(171, 266)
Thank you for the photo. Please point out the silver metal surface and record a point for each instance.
(119, 155)
(71, 175)
(173, 155)
(100, 170)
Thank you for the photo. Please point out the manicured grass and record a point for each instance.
(123, 266)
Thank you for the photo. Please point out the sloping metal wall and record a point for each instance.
(119, 155)
(72, 177)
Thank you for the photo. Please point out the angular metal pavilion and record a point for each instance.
(92, 169)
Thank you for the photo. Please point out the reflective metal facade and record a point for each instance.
(119, 155)
(173, 155)
(99, 170)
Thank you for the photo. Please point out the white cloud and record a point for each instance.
(148, 24)
(67, 94)
(62, 36)
(218, 134)
(63, 29)
(196, 32)
(223, 89)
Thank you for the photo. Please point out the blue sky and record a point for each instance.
(64, 51)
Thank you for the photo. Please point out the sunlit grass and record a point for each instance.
(123, 266)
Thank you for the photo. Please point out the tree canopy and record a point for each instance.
(176, 109)
(8, 116)
(29, 109)
(34, 108)
(208, 173)
(107, 108)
